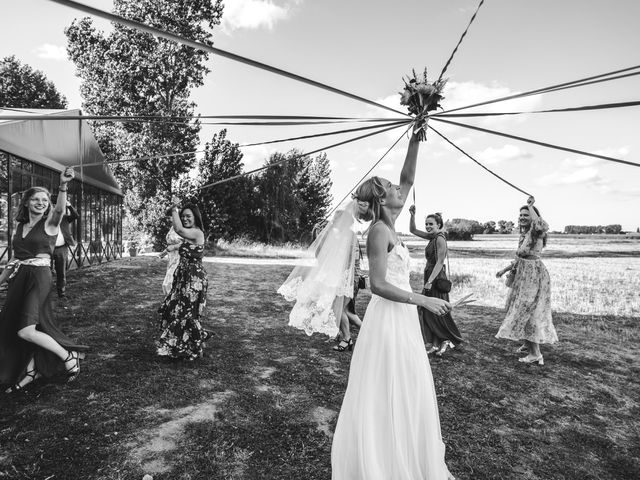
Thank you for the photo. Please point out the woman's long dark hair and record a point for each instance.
(23, 212)
(197, 216)
(534, 236)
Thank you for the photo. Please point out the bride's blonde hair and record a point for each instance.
(371, 191)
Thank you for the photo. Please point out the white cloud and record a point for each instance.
(51, 52)
(254, 157)
(588, 176)
(462, 94)
(584, 161)
(254, 14)
(491, 156)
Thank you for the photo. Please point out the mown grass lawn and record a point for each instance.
(263, 402)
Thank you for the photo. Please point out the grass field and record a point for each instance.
(263, 402)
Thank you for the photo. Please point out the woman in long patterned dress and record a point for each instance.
(528, 305)
(31, 343)
(439, 332)
(182, 334)
(173, 258)
(389, 427)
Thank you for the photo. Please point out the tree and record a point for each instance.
(228, 206)
(23, 87)
(462, 229)
(291, 196)
(490, 227)
(314, 192)
(134, 73)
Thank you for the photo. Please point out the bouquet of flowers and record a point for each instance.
(420, 96)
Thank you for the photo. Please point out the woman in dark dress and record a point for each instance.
(182, 335)
(439, 332)
(31, 343)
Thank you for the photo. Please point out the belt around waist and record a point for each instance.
(529, 257)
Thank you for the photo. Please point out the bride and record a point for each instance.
(389, 427)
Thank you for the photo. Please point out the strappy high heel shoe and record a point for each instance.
(522, 349)
(443, 348)
(539, 360)
(32, 374)
(74, 371)
(344, 345)
(431, 350)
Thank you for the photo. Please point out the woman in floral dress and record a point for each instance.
(528, 307)
(182, 335)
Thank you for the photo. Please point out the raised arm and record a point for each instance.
(538, 225)
(55, 216)
(412, 224)
(193, 234)
(408, 173)
(532, 213)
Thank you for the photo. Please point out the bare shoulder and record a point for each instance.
(379, 236)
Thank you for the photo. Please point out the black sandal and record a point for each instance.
(72, 372)
(32, 374)
(344, 345)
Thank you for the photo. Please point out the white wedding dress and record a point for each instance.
(389, 427)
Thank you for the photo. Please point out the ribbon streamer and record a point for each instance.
(477, 162)
(154, 157)
(536, 142)
(368, 171)
(224, 180)
(208, 48)
(554, 110)
(459, 41)
(552, 88)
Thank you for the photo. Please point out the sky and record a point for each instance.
(366, 47)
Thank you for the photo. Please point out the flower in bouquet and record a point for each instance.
(420, 96)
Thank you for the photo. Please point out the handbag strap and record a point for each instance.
(446, 255)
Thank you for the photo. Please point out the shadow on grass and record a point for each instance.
(263, 402)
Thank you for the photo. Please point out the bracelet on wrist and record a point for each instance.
(62, 189)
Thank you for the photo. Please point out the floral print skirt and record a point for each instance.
(529, 305)
(181, 333)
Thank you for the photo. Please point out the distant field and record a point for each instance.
(590, 275)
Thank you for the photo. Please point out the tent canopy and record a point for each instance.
(57, 144)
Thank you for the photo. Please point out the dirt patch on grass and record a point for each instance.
(157, 442)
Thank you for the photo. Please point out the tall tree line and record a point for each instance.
(23, 87)
(129, 72)
(132, 73)
(280, 204)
